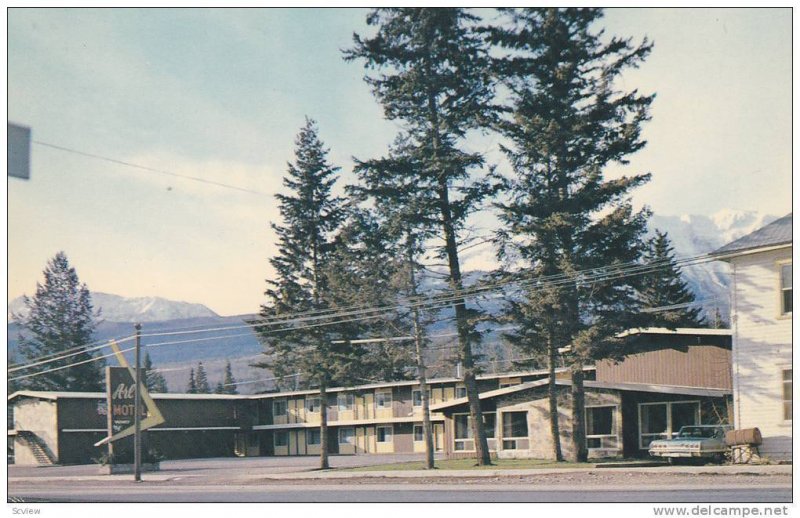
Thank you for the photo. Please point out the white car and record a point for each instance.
(693, 442)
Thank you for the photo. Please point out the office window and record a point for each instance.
(384, 433)
(281, 438)
(515, 424)
(786, 288)
(787, 394)
(312, 404)
(419, 433)
(489, 424)
(346, 435)
(312, 437)
(461, 392)
(346, 401)
(416, 397)
(383, 399)
(601, 427)
(279, 407)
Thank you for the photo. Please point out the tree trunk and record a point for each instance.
(580, 453)
(323, 427)
(552, 393)
(481, 445)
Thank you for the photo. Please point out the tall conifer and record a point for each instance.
(568, 123)
(431, 73)
(60, 318)
(311, 215)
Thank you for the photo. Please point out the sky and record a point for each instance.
(220, 94)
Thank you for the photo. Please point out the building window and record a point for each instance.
(279, 407)
(384, 433)
(312, 404)
(416, 397)
(601, 427)
(461, 392)
(787, 394)
(463, 432)
(383, 399)
(786, 288)
(346, 401)
(489, 424)
(515, 426)
(312, 437)
(419, 433)
(281, 438)
(664, 420)
(346, 435)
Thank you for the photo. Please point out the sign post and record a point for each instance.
(137, 419)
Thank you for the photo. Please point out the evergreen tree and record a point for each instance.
(228, 384)
(311, 216)
(201, 379)
(60, 319)
(363, 271)
(191, 388)
(665, 288)
(567, 124)
(154, 380)
(434, 77)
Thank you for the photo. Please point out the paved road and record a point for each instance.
(381, 493)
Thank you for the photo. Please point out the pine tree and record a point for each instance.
(60, 319)
(228, 384)
(665, 288)
(567, 124)
(434, 77)
(311, 216)
(191, 388)
(201, 380)
(154, 380)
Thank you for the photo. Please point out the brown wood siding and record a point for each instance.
(403, 438)
(707, 366)
(403, 404)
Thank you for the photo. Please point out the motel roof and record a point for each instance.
(629, 387)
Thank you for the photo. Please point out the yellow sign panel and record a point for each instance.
(154, 416)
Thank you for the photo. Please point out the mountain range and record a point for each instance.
(202, 335)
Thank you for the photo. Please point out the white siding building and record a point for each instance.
(761, 321)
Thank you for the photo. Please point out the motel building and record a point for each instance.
(675, 378)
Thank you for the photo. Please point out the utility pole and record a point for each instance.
(427, 431)
(137, 420)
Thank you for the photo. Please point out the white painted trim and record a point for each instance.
(336, 424)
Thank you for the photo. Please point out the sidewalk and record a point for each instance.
(494, 473)
(310, 475)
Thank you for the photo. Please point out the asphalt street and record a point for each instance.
(382, 493)
(295, 479)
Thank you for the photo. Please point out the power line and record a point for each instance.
(150, 169)
(559, 279)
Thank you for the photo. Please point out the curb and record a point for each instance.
(495, 473)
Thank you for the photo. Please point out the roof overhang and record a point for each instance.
(727, 256)
(627, 387)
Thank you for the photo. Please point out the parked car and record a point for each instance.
(700, 442)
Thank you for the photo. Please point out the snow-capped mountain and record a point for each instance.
(693, 235)
(114, 308)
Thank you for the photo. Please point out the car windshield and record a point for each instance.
(701, 432)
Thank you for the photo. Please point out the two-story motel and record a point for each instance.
(676, 377)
